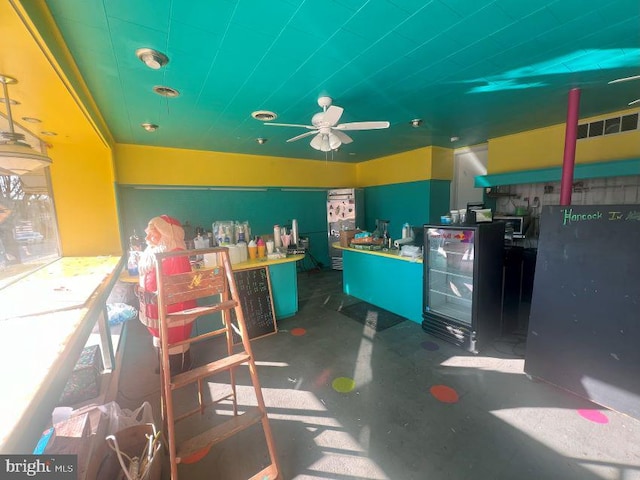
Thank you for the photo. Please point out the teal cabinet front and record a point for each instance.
(387, 281)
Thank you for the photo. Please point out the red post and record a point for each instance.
(569, 160)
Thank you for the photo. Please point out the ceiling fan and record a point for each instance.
(626, 79)
(329, 134)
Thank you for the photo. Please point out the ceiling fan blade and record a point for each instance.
(635, 101)
(343, 137)
(306, 134)
(332, 115)
(290, 125)
(316, 142)
(362, 126)
(625, 79)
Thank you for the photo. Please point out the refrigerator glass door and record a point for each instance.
(450, 273)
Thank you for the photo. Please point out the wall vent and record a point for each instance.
(598, 128)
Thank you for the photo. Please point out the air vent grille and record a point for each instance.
(598, 128)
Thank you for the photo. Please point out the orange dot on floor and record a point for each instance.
(298, 332)
(196, 457)
(444, 394)
(343, 384)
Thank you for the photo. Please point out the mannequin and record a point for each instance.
(164, 234)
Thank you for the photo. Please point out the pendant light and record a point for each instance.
(16, 156)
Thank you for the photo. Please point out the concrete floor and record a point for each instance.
(391, 426)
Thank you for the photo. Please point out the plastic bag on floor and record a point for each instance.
(121, 418)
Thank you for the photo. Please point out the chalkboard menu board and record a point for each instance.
(585, 314)
(254, 290)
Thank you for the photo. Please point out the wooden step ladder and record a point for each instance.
(215, 288)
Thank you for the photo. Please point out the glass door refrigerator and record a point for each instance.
(463, 283)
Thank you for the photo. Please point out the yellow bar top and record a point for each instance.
(390, 253)
(45, 320)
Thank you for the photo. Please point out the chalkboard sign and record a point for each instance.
(254, 290)
(585, 314)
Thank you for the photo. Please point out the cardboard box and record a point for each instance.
(346, 236)
(84, 382)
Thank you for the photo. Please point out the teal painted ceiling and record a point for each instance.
(468, 68)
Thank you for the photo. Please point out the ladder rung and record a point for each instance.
(219, 433)
(182, 379)
(198, 311)
(269, 473)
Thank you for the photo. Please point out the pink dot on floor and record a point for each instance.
(444, 394)
(298, 332)
(595, 416)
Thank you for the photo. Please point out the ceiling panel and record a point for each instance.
(470, 69)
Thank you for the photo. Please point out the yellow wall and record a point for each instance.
(140, 165)
(83, 187)
(82, 172)
(544, 147)
(421, 164)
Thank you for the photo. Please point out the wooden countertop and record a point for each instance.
(45, 320)
(262, 262)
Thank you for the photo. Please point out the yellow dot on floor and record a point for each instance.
(343, 384)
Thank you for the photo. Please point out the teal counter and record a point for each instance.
(384, 279)
(284, 289)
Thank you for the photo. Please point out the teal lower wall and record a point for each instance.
(389, 283)
(415, 203)
(201, 207)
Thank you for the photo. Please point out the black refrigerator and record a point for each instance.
(462, 294)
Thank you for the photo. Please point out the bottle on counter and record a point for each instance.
(135, 242)
(132, 262)
(262, 247)
(277, 240)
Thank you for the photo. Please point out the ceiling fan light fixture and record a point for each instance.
(152, 58)
(16, 156)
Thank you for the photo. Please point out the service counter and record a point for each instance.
(283, 276)
(385, 279)
(45, 321)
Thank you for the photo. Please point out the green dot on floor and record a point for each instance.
(343, 384)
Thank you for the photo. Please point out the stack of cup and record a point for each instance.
(253, 250)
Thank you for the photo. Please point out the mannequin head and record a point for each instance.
(163, 234)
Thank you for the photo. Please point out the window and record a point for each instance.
(28, 226)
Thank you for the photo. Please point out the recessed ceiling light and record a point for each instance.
(49, 134)
(149, 127)
(455, 139)
(261, 140)
(31, 120)
(416, 122)
(166, 91)
(264, 115)
(152, 58)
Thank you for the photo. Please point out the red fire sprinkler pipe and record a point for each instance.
(570, 136)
